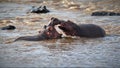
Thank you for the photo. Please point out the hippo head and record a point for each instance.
(51, 33)
(50, 30)
(54, 26)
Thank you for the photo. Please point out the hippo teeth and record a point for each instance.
(60, 31)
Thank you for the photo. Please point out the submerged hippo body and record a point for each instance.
(104, 13)
(49, 33)
(40, 9)
(9, 27)
(59, 28)
(84, 30)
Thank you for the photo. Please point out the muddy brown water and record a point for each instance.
(65, 52)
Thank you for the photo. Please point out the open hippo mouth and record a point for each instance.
(59, 28)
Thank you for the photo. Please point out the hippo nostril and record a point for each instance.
(48, 33)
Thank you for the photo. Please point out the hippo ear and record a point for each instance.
(52, 18)
(69, 21)
(63, 28)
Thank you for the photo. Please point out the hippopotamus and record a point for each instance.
(104, 13)
(59, 28)
(68, 28)
(40, 9)
(48, 33)
(9, 27)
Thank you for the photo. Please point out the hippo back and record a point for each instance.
(90, 30)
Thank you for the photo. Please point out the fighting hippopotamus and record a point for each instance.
(68, 28)
(60, 28)
(49, 33)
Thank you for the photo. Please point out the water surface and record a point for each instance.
(65, 52)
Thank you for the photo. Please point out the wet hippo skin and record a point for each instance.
(60, 28)
(40, 9)
(68, 28)
(9, 27)
(49, 33)
(104, 13)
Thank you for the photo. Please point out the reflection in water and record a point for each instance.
(68, 44)
(60, 44)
